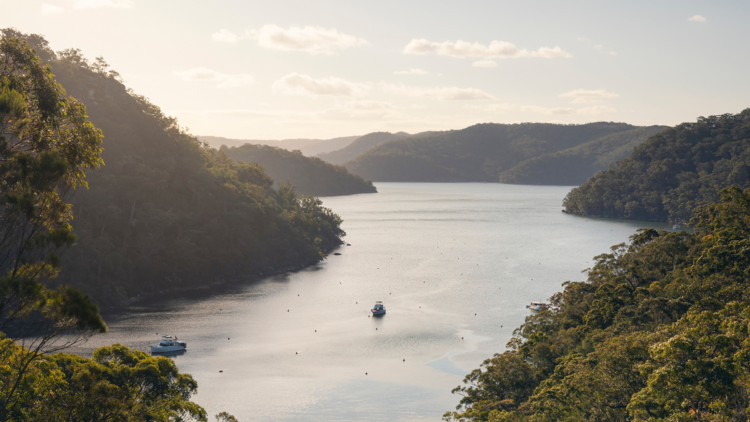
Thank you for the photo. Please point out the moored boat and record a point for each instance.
(378, 309)
(169, 344)
(538, 306)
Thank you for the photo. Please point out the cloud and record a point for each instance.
(297, 84)
(361, 110)
(95, 4)
(582, 38)
(697, 18)
(484, 63)
(225, 80)
(449, 93)
(495, 50)
(48, 9)
(310, 39)
(588, 96)
(411, 71)
(225, 35)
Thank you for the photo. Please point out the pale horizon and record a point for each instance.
(333, 69)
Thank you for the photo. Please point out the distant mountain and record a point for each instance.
(309, 147)
(479, 153)
(671, 173)
(361, 145)
(309, 175)
(573, 166)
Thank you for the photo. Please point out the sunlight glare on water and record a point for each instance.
(448, 261)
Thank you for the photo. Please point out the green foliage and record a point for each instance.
(308, 175)
(660, 331)
(665, 178)
(168, 212)
(479, 153)
(573, 166)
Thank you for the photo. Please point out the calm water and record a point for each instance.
(450, 261)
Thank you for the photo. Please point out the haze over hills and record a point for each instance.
(309, 147)
(308, 175)
(479, 153)
(165, 212)
(672, 173)
(361, 145)
(573, 166)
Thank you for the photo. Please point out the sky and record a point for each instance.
(328, 68)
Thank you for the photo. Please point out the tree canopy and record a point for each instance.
(308, 175)
(658, 332)
(673, 172)
(479, 153)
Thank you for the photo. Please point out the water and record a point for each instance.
(455, 265)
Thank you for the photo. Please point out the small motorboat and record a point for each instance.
(378, 309)
(169, 344)
(538, 306)
(676, 227)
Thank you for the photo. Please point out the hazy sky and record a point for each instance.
(320, 69)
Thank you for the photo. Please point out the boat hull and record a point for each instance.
(167, 349)
(378, 313)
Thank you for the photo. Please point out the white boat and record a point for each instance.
(538, 306)
(169, 344)
(378, 309)
(676, 227)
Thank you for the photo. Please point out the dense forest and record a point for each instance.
(672, 173)
(47, 147)
(479, 153)
(168, 212)
(308, 147)
(361, 145)
(658, 332)
(573, 166)
(308, 175)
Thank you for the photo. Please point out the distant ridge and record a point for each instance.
(309, 147)
(479, 153)
(308, 175)
(361, 145)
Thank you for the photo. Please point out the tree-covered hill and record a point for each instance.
(308, 175)
(479, 153)
(660, 331)
(308, 147)
(672, 173)
(167, 212)
(573, 166)
(361, 145)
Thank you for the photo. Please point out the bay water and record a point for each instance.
(454, 264)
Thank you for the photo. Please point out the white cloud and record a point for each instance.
(411, 71)
(612, 53)
(495, 50)
(588, 96)
(225, 80)
(225, 35)
(582, 38)
(361, 110)
(449, 93)
(297, 84)
(484, 63)
(94, 4)
(697, 18)
(310, 39)
(48, 9)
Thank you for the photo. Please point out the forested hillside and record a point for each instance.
(672, 173)
(167, 212)
(479, 153)
(659, 332)
(308, 147)
(360, 145)
(573, 166)
(308, 175)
